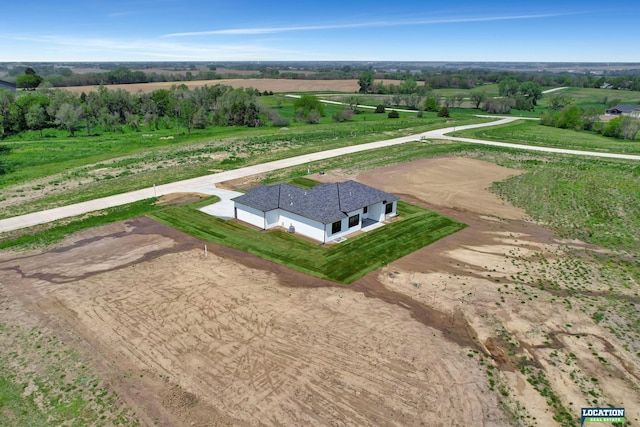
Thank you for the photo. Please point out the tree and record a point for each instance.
(200, 119)
(508, 87)
(68, 116)
(353, 102)
(162, 98)
(443, 112)
(629, 127)
(380, 109)
(559, 100)
(531, 90)
(393, 114)
(36, 118)
(502, 105)
(308, 109)
(431, 104)
(187, 111)
(7, 98)
(569, 118)
(478, 97)
(366, 81)
(458, 99)
(28, 81)
(523, 103)
(589, 117)
(449, 102)
(408, 86)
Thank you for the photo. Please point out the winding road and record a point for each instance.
(209, 181)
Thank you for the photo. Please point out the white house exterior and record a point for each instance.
(624, 110)
(324, 213)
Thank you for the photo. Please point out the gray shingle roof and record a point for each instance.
(325, 203)
(624, 108)
(7, 85)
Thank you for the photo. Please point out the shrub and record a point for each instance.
(431, 104)
(393, 114)
(343, 115)
(443, 112)
(524, 103)
(277, 120)
(312, 117)
(500, 105)
(308, 103)
(380, 109)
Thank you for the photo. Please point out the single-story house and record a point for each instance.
(624, 110)
(7, 85)
(326, 212)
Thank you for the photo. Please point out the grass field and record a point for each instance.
(44, 382)
(533, 133)
(50, 233)
(61, 170)
(597, 96)
(344, 262)
(593, 200)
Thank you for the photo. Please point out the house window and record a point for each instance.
(336, 227)
(388, 208)
(354, 220)
(365, 210)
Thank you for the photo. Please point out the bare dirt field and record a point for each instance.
(447, 336)
(275, 85)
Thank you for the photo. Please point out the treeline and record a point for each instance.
(588, 118)
(469, 79)
(433, 78)
(124, 75)
(112, 110)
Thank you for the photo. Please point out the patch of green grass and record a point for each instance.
(183, 157)
(343, 262)
(532, 133)
(589, 199)
(303, 182)
(583, 96)
(16, 410)
(43, 382)
(51, 233)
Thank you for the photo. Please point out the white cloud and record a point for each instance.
(69, 48)
(374, 24)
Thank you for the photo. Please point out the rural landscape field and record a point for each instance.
(505, 293)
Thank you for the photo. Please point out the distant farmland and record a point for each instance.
(275, 85)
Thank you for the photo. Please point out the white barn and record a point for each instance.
(324, 213)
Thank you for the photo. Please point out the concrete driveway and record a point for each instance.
(222, 209)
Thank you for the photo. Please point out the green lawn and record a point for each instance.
(343, 262)
(594, 95)
(533, 133)
(139, 161)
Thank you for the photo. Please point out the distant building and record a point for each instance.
(325, 213)
(624, 110)
(7, 85)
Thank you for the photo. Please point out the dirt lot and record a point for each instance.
(437, 338)
(275, 85)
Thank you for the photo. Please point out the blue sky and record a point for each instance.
(247, 30)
